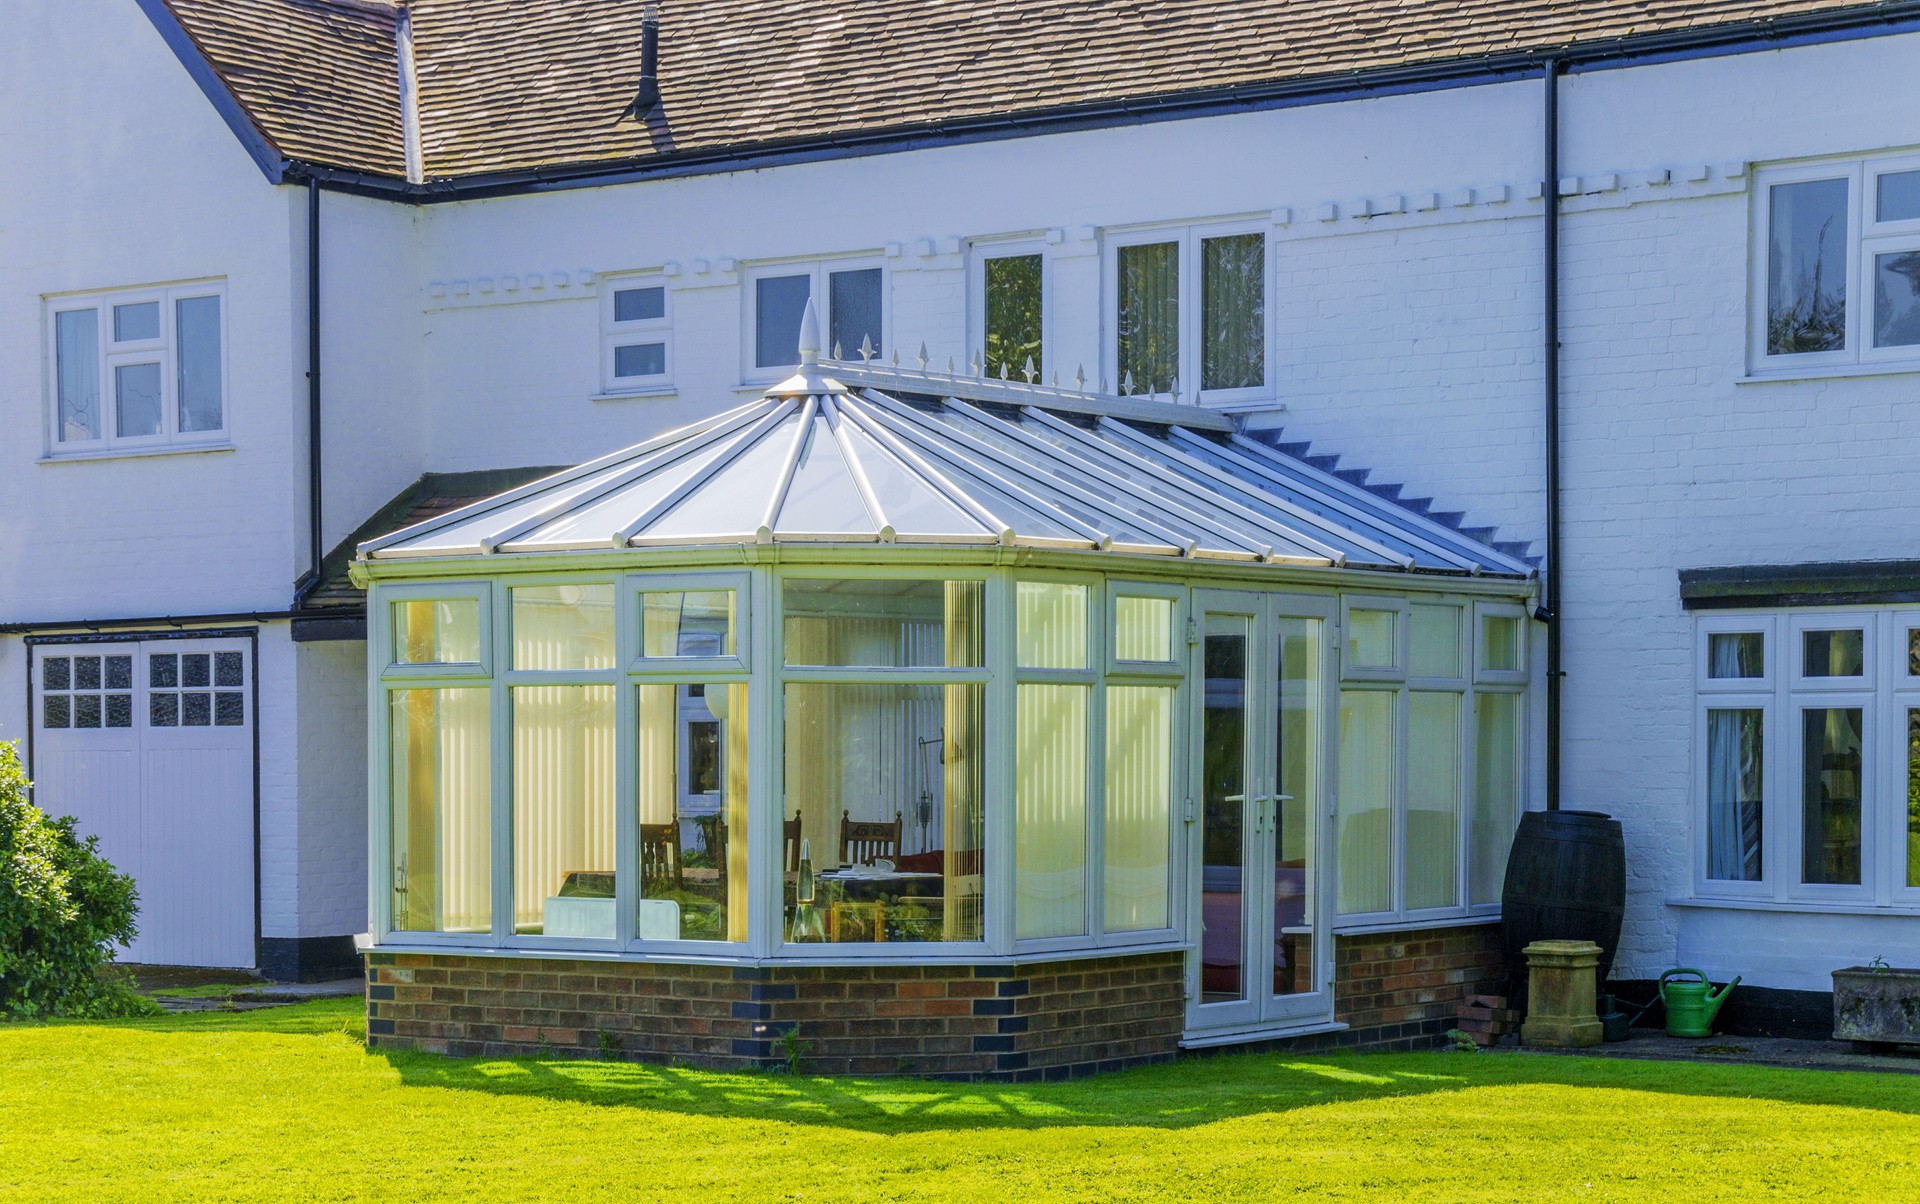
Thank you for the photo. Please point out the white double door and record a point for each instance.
(149, 745)
(1262, 735)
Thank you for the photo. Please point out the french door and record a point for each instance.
(1262, 730)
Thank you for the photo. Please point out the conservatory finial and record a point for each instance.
(809, 336)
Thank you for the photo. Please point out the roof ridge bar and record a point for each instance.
(1155, 509)
(1273, 480)
(1361, 497)
(639, 469)
(1133, 441)
(788, 466)
(836, 423)
(725, 456)
(592, 467)
(996, 471)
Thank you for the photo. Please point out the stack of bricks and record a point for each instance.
(1399, 990)
(1046, 1020)
(1486, 1019)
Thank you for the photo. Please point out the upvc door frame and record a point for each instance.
(1260, 1010)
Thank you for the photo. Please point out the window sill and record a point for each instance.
(1788, 376)
(1891, 910)
(1413, 925)
(967, 954)
(133, 453)
(654, 393)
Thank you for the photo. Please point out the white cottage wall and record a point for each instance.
(119, 173)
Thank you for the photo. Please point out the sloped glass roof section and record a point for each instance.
(857, 454)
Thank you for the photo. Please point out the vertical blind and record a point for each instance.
(442, 803)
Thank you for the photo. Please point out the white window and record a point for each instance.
(1837, 265)
(637, 335)
(1431, 757)
(1186, 307)
(141, 368)
(1010, 311)
(1806, 763)
(849, 300)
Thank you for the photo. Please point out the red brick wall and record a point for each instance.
(1040, 1020)
(1398, 989)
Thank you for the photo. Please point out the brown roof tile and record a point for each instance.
(516, 84)
(320, 78)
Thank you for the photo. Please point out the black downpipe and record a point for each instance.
(1550, 365)
(311, 581)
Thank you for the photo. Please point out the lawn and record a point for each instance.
(286, 1104)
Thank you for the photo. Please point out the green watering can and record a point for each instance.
(1691, 1005)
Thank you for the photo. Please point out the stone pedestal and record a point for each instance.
(1560, 994)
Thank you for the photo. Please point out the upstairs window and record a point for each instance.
(137, 369)
(1010, 284)
(1838, 252)
(850, 307)
(637, 340)
(1190, 306)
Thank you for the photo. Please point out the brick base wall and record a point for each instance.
(1397, 990)
(1042, 1020)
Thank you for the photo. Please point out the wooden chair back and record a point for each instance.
(864, 842)
(660, 856)
(790, 844)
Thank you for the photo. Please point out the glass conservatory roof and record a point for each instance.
(851, 454)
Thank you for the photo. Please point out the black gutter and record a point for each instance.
(311, 581)
(1549, 609)
(181, 621)
(1633, 50)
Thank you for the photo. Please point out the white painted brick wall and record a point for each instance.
(1409, 344)
(333, 787)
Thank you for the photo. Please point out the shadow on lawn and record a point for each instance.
(1190, 1092)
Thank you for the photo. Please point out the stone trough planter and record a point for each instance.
(1876, 1006)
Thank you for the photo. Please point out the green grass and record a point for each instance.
(285, 1104)
(205, 990)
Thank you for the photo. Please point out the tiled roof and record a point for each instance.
(320, 79)
(508, 85)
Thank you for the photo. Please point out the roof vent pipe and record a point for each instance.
(648, 98)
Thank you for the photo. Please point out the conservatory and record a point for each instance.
(948, 725)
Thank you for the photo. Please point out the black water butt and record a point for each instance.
(1566, 881)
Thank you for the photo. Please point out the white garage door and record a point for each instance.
(149, 744)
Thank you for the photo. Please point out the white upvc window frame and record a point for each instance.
(1402, 635)
(1472, 684)
(1173, 674)
(1189, 236)
(637, 671)
(1737, 694)
(819, 270)
(1092, 679)
(1884, 692)
(477, 592)
(979, 252)
(504, 680)
(615, 334)
(778, 675)
(111, 354)
(393, 677)
(1867, 237)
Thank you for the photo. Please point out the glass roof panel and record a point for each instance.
(912, 505)
(823, 498)
(468, 532)
(732, 501)
(600, 520)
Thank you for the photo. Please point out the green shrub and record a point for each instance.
(62, 908)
